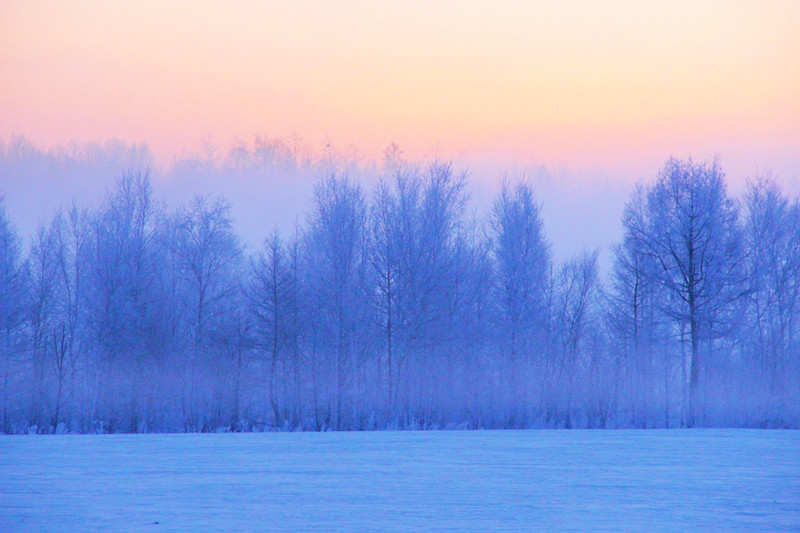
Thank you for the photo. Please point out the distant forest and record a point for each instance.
(402, 310)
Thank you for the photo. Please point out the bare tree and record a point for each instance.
(576, 298)
(12, 293)
(384, 258)
(335, 247)
(122, 275)
(689, 228)
(638, 332)
(270, 296)
(521, 256)
(208, 257)
(772, 236)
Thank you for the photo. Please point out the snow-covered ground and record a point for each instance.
(678, 480)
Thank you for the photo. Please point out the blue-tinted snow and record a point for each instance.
(403, 481)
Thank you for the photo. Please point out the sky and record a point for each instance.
(594, 91)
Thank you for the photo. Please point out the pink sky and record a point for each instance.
(616, 86)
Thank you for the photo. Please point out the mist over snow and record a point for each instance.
(270, 286)
(269, 184)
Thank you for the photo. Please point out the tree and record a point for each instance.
(12, 294)
(43, 316)
(576, 289)
(772, 236)
(335, 248)
(635, 322)
(418, 253)
(689, 227)
(270, 295)
(208, 256)
(122, 303)
(384, 258)
(521, 256)
(72, 236)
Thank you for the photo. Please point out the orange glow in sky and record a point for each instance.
(582, 83)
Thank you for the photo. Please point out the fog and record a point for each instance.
(269, 183)
(270, 286)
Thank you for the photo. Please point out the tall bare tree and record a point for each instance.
(689, 227)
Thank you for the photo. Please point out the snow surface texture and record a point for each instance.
(683, 480)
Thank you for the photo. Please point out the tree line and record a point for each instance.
(402, 309)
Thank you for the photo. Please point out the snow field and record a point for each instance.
(649, 480)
